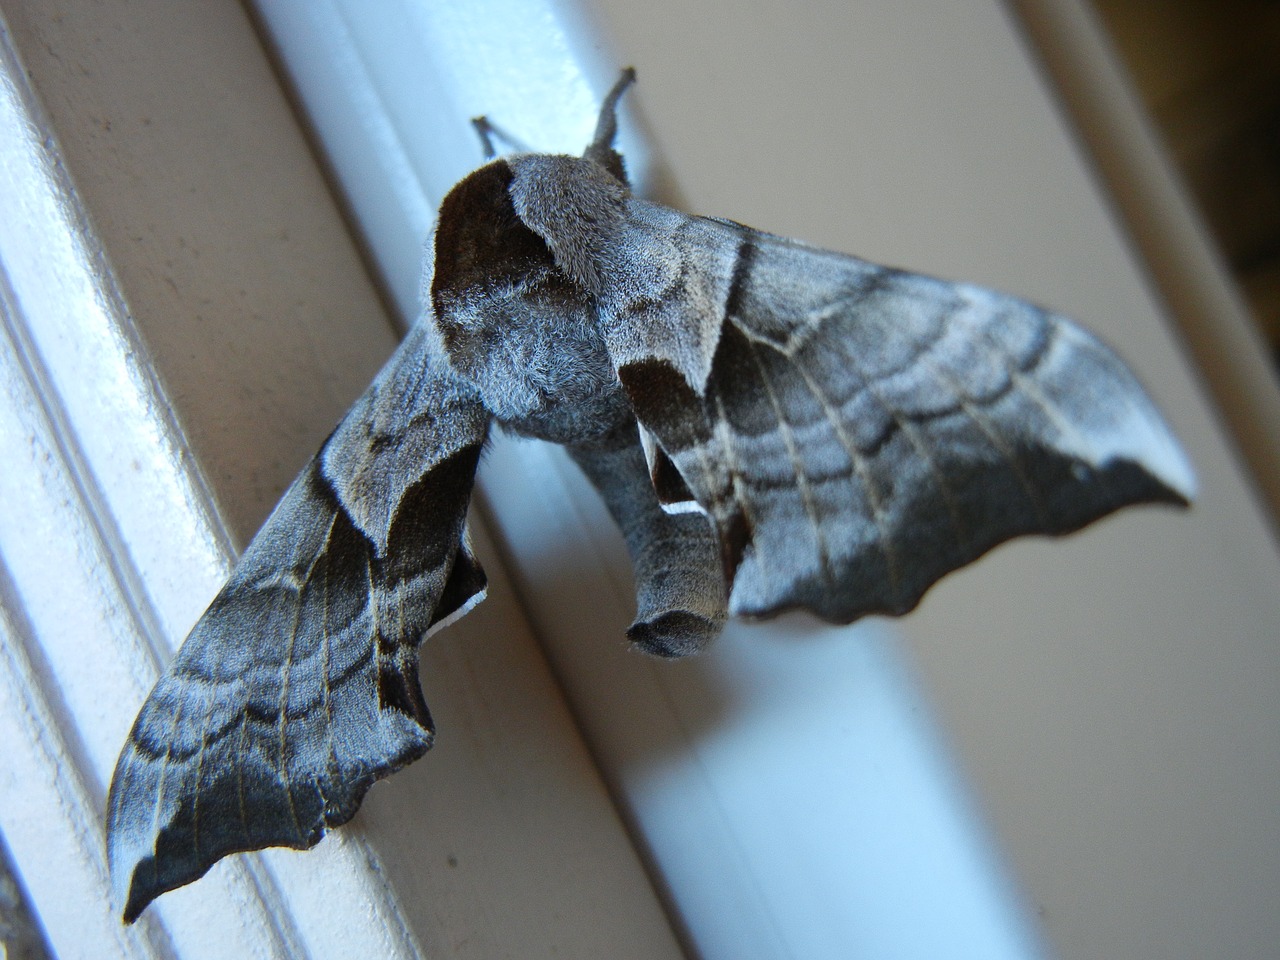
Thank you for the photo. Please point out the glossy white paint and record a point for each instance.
(173, 257)
(1083, 727)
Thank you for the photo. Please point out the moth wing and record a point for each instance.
(298, 687)
(856, 432)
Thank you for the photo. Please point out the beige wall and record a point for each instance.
(1112, 697)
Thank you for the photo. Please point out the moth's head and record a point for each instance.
(535, 207)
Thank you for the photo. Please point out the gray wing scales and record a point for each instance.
(298, 687)
(863, 431)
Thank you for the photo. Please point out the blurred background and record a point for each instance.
(1209, 73)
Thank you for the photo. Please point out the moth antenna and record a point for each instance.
(484, 129)
(601, 147)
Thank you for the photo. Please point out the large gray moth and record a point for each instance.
(773, 426)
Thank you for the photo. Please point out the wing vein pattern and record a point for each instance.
(298, 688)
(861, 431)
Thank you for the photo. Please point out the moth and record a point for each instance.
(772, 426)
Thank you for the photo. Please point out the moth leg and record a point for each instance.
(491, 135)
(485, 131)
(680, 590)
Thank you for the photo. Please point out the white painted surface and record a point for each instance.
(1084, 726)
(76, 622)
(791, 784)
(172, 256)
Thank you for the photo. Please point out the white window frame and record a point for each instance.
(113, 544)
(1091, 703)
